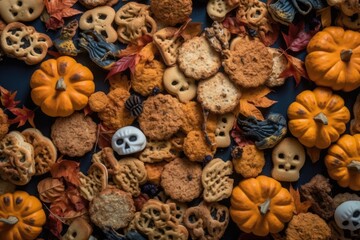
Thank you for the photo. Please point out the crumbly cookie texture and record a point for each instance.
(181, 180)
(171, 12)
(74, 135)
(161, 117)
(197, 146)
(4, 125)
(197, 59)
(248, 160)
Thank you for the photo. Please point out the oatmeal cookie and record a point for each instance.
(171, 12)
(4, 125)
(181, 180)
(74, 135)
(161, 117)
(248, 160)
(95, 3)
(197, 146)
(197, 59)
(249, 63)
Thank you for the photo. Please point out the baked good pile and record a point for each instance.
(177, 144)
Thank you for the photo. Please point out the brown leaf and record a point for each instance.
(58, 10)
(104, 136)
(75, 198)
(66, 169)
(313, 153)
(189, 30)
(300, 207)
(50, 189)
(8, 98)
(22, 115)
(295, 68)
(234, 26)
(325, 14)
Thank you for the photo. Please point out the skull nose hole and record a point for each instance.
(356, 214)
(345, 223)
(355, 223)
(74, 234)
(127, 146)
(120, 141)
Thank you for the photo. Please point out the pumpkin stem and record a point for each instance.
(11, 220)
(354, 164)
(321, 118)
(264, 207)
(60, 85)
(345, 55)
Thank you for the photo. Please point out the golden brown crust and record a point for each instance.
(4, 125)
(171, 12)
(196, 147)
(248, 160)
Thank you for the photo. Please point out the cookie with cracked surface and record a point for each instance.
(171, 12)
(197, 146)
(181, 180)
(218, 94)
(197, 59)
(74, 135)
(248, 160)
(161, 117)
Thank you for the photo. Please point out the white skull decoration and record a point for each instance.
(288, 158)
(347, 215)
(128, 140)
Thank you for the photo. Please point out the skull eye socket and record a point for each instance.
(74, 234)
(132, 138)
(120, 141)
(174, 83)
(296, 157)
(281, 155)
(345, 223)
(89, 19)
(356, 214)
(19, 3)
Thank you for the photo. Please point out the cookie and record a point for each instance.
(279, 65)
(198, 146)
(12, 38)
(350, 22)
(197, 59)
(217, 9)
(107, 158)
(131, 175)
(224, 125)
(157, 151)
(249, 63)
(248, 160)
(21, 10)
(161, 117)
(177, 209)
(74, 135)
(168, 43)
(95, 181)
(181, 180)
(218, 36)
(215, 180)
(177, 84)
(112, 208)
(79, 229)
(4, 125)
(154, 171)
(218, 94)
(45, 153)
(17, 163)
(171, 12)
(95, 3)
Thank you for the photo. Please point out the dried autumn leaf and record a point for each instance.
(295, 68)
(104, 136)
(325, 15)
(189, 30)
(87, 110)
(50, 189)
(239, 138)
(73, 194)
(122, 64)
(58, 10)
(297, 38)
(134, 48)
(66, 169)
(254, 98)
(270, 37)
(314, 154)
(54, 225)
(22, 115)
(233, 25)
(8, 98)
(300, 207)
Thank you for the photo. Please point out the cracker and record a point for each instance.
(168, 43)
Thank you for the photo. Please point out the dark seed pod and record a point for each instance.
(134, 105)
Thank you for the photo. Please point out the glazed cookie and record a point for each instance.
(161, 117)
(131, 175)
(223, 127)
(21, 10)
(279, 65)
(157, 151)
(99, 19)
(95, 3)
(215, 180)
(197, 59)
(168, 43)
(217, 9)
(17, 163)
(45, 153)
(107, 158)
(171, 12)
(181, 180)
(197, 146)
(248, 160)
(13, 36)
(112, 208)
(218, 94)
(95, 182)
(177, 84)
(248, 63)
(4, 125)
(74, 135)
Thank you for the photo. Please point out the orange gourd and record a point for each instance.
(61, 86)
(21, 216)
(343, 161)
(261, 206)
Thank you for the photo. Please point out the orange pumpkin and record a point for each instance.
(333, 59)
(261, 206)
(21, 216)
(61, 86)
(343, 161)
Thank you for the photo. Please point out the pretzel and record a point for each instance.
(21, 10)
(24, 43)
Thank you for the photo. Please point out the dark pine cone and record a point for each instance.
(134, 105)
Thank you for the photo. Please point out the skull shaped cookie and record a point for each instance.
(347, 215)
(128, 140)
(78, 230)
(20, 10)
(288, 158)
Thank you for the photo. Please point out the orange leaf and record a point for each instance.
(300, 207)
(23, 115)
(325, 14)
(104, 136)
(8, 98)
(189, 30)
(67, 169)
(234, 26)
(295, 68)
(57, 10)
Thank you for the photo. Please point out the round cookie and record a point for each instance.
(112, 208)
(74, 135)
(248, 160)
(218, 94)
(181, 180)
(248, 63)
(161, 117)
(171, 12)
(197, 148)
(197, 59)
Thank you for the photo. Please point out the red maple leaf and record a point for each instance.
(57, 10)
(295, 68)
(8, 98)
(22, 115)
(122, 64)
(66, 169)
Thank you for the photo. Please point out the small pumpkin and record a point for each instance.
(343, 161)
(21, 216)
(318, 118)
(333, 59)
(261, 206)
(61, 86)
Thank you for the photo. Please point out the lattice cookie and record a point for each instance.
(95, 182)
